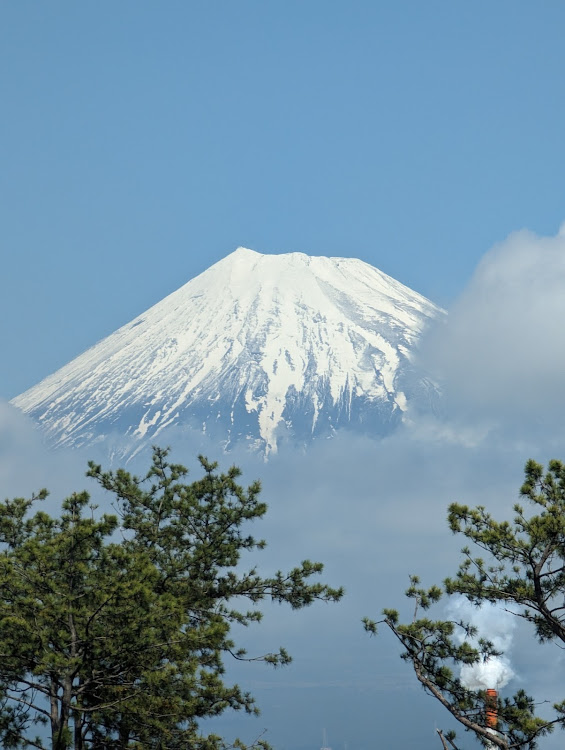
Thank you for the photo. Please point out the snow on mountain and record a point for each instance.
(254, 347)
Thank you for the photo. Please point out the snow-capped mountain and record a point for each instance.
(255, 347)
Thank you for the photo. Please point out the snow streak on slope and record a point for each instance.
(255, 344)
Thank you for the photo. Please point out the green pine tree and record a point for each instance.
(520, 564)
(114, 629)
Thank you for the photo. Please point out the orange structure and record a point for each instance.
(492, 709)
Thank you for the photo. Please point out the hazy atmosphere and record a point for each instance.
(145, 142)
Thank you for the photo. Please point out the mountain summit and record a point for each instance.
(255, 347)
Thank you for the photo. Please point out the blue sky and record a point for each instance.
(144, 141)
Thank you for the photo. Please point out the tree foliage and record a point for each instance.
(518, 565)
(114, 628)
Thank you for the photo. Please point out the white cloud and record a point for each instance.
(502, 351)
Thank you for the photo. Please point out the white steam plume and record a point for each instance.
(495, 625)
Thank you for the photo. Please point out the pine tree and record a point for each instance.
(524, 571)
(114, 628)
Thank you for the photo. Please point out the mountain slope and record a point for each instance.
(255, 346)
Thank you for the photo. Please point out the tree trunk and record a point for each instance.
(77, 721)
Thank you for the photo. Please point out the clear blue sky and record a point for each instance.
(143, 141)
